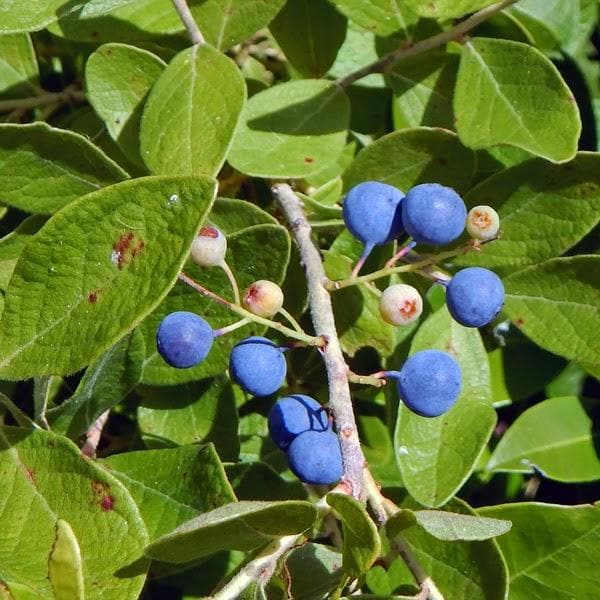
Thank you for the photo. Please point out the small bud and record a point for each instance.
(209, 247)
(483, 223)
(263, 298)
(400, 304)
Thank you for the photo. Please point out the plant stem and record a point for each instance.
(187, 18)
(421, 264)
(229, 328)
(297, 335)
(290, 318)
(388, 60)
(233, 281)
(67, 95)
(259, 570)
(322, 316)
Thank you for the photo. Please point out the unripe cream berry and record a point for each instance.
(263, 298)
(209, 247)
(400, 304)
(483, 223)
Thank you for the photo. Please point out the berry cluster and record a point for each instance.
(428, 383)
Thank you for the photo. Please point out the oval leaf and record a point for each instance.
(19, 73)
(555, 437)
(236, 526)
(291, 130)
(562, 292)
(544, 210)
(43, 169)
(445, 525)
(118, 79)
(361, 539)
(436, 456)
(446, 9)
(420, 155)
(95, 270)
(47, 480)
(566, 542)
(497, 100)
(192, 112)
(382, 17)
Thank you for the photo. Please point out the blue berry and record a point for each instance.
(258, 365)
(372, 212)
(293, 415)
(429, 382)
(184, 339)
(433, 214)
(474, 296)
(315, 457)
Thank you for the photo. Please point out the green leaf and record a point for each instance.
(19, 74)
(132, 21)
(291, 130)
(225, 23)
(420, 155)
(436, 455)
(555, 437)
(379, 450)
(12, 245)
(255, 251)
(450, 526)
(361, 540)
(462, 570)
(118, 79)
(201, 411)
(70, 297)
(64, 564)
(258, 481)
(30, 16)
(446, 9)
(497, 100)
(105, 383)
(310, 32)
(48, 480)
(561, 560)
(43, 169)
(556, 305)
(173, 485)
(192, 112)
(382, 17)
(544, 210)
(304, 562)
(423, 88)
(239, 526)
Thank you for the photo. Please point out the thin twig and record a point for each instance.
(455, 33)
(322, 316)
(259, 570)
(67, 95)
(187, 18)
(297, 335)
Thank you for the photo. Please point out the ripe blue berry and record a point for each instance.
(258, 365)
(184, 339)
(372, 212)
(293, 415)
(429, 382)
(315, 457)
(474, 296)
(433, 214)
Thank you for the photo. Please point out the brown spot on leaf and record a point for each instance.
(309, 159)
(30, 474)
(126, 248)
(519, 322)
(107, 503)
(92, 297)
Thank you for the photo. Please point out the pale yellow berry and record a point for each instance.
(400, 304)
(483, 223)
(209, 247)
(263, 298)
